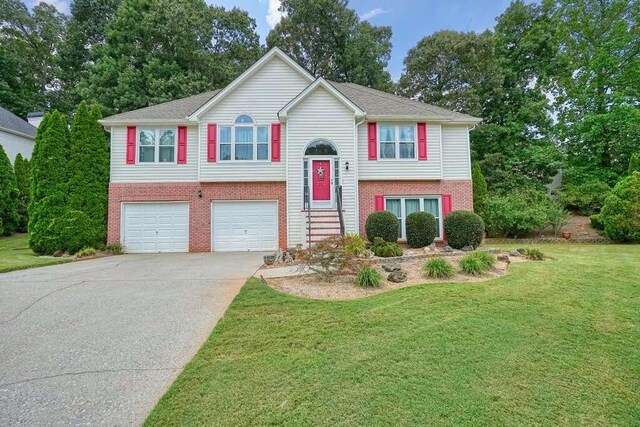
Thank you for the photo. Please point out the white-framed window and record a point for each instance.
(157, 145)
(401, 207)
(396, 141)
(244, 140)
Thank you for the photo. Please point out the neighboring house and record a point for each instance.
(260, 164)
(16, 135)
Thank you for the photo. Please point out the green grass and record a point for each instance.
(15, 254)
(554, 342)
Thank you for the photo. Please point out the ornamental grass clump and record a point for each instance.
(368, 277)
(477, 263)
(438, 268)
(534, 254)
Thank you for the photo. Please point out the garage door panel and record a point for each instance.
(156, 227)
(244, 226)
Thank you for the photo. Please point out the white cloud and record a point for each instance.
(273, 14)
(373, 13)
(61, 5)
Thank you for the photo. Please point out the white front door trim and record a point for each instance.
(322, 204)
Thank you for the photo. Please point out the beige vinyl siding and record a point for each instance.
(397, 169)
(455, 147)
(319, 116)
(261, 97)
(153, 172)
(14, 144)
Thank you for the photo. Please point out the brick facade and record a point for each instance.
(199, 207)
(461, 192)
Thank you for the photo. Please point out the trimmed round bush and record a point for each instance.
(621, 211)
(421, 229)
(463, 228)
(384, 225)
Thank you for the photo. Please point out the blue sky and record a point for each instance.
(410, 19)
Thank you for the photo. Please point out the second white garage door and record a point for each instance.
(244, 226)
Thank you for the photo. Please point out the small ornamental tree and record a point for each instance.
(49, 182)
(21, 168)
(421, 229)
(634, 163)
(89, 175)
(383, 224)
(479, 189)
(621, 212)
(9, 197)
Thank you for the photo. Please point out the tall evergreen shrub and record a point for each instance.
(21, 167)
(479, 190)
(9, 197)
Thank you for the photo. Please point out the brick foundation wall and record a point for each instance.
(199, 208)
(460, 190)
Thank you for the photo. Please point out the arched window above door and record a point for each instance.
(321, 147)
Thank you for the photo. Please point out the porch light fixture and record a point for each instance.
(346, 166)
(200, 194)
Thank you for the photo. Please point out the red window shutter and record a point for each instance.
(212, 132)
(182, 144)
(372, 128)
(131, 145)
(446, 204)
(275, 142)
(422, 141)
(379, 202)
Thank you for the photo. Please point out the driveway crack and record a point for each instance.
(40, 299)
(96, 371)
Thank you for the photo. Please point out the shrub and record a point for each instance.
(355, 244)
(518, 213)
(534, 254)
(586, 198)
(421, 229)
(21, 169)
(621, 212)
(596, 222)
(70, 232)
(114, 248)
(385, 249)
(85, 252)
(479, 189)
(330, 256)
(557, 217)
(438, 268)
(9, 197)
(634, 163)
(384, 225)
(463, 228)
(472, 265)
(368, 277)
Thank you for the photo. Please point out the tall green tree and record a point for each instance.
(21, 167)
(597, 87)
(329, 40)
(479, 189)
(29, 45)
(89, 172)
(158, 50)
(49, 182)
(9, 197)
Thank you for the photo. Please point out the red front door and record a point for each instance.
(321, 180)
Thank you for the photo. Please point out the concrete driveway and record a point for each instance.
(98, 342)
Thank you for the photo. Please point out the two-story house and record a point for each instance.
(267, 161)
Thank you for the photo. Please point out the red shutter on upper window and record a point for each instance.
(372, 128)
(182, 144)
(446, 204)
(275, 142)
(212, 130)
(131, 145)
(422, 141)
(379, 200)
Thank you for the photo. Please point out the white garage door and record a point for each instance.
(245, 226)
(155, 227)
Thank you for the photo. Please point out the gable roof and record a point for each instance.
(13, 124)
(320, 82)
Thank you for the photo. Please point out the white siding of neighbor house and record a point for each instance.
(400, 169)
(456, 152)
(261, 96)
(152, 172)
(320, 116)
(14, 144)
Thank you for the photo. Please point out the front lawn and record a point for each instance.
(15, 254)
(554, 342)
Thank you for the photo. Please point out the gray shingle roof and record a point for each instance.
(172, 110)
(372, 102)
(13, 123)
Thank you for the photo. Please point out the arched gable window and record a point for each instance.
(321, 147)
(245, 140)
